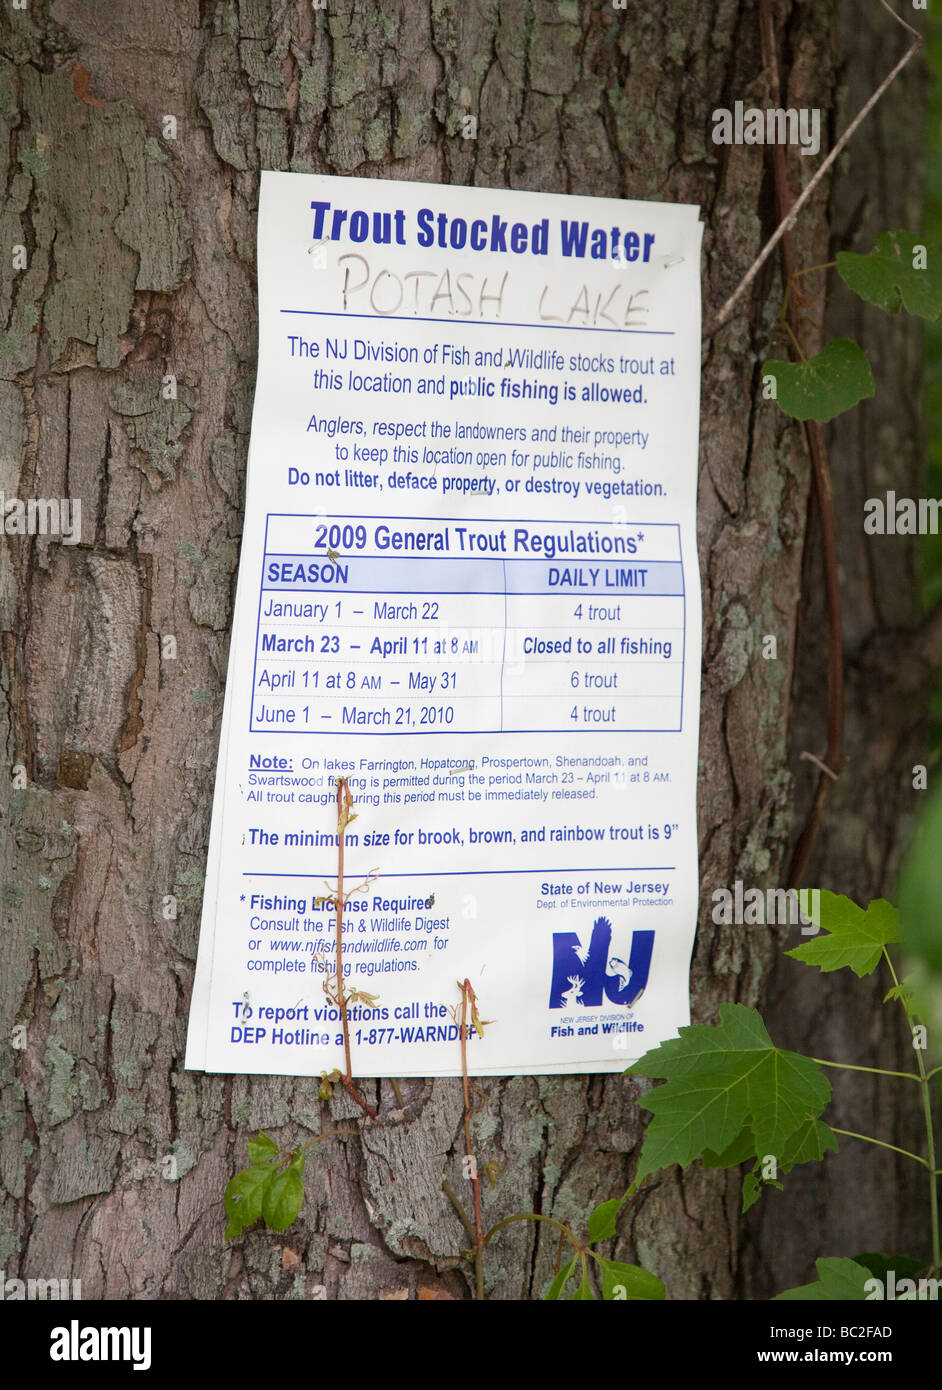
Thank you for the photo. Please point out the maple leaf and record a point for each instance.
(722, 1080)
(855, 937)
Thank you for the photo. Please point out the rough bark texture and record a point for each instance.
(141, 264)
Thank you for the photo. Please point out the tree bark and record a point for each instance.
(141, 250)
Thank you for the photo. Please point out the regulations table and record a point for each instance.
(422, 625)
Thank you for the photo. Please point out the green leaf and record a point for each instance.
(559, 1283)
(602, 1220)
(838, 1281)
(888, 278)
(856, 935)
(739, 1151)
(719, 1079)
(920, 891)
(902, 992)
(262, 1149)
(633, 1283)
(584, 1291)
(751, 1191)
(880, 1265)
(825, 385)
(243, 1197)
(808, 1144)
(282, 1198)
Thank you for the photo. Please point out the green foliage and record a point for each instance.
(731, 1096)
(855, 936)
(920, 890)
(932, 337)
(808, 1144)
(264, 1190)
(639, 1285)
(620, 1282)
(559, 1283)
(284, 1194)
(261, 1149)
(920, 894)
(602, 1220)
(838, 1281)
(845, 1280)
(889, 278)
(729, 1091)
(881, 1265)
(900, 272)
(823, 386)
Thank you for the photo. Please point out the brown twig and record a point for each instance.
(476, 1230)
(467, 993)
(834, 757)
(344, 804)
(787, 221)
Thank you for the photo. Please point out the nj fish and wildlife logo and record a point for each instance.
(586, 977)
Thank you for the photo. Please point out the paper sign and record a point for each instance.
(468, 585)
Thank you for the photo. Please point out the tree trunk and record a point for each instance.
(140, 246)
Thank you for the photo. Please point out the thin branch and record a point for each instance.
(788, 220)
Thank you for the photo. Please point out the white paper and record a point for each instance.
(469, 584)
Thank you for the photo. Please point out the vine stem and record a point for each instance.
(574, 1241)
(791, 287)
(824, 493)
(930, 1132)
(462, 1214)
(876, 1071)
(317, 1139)
(868, 1139)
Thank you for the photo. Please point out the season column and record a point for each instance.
(369, 623)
